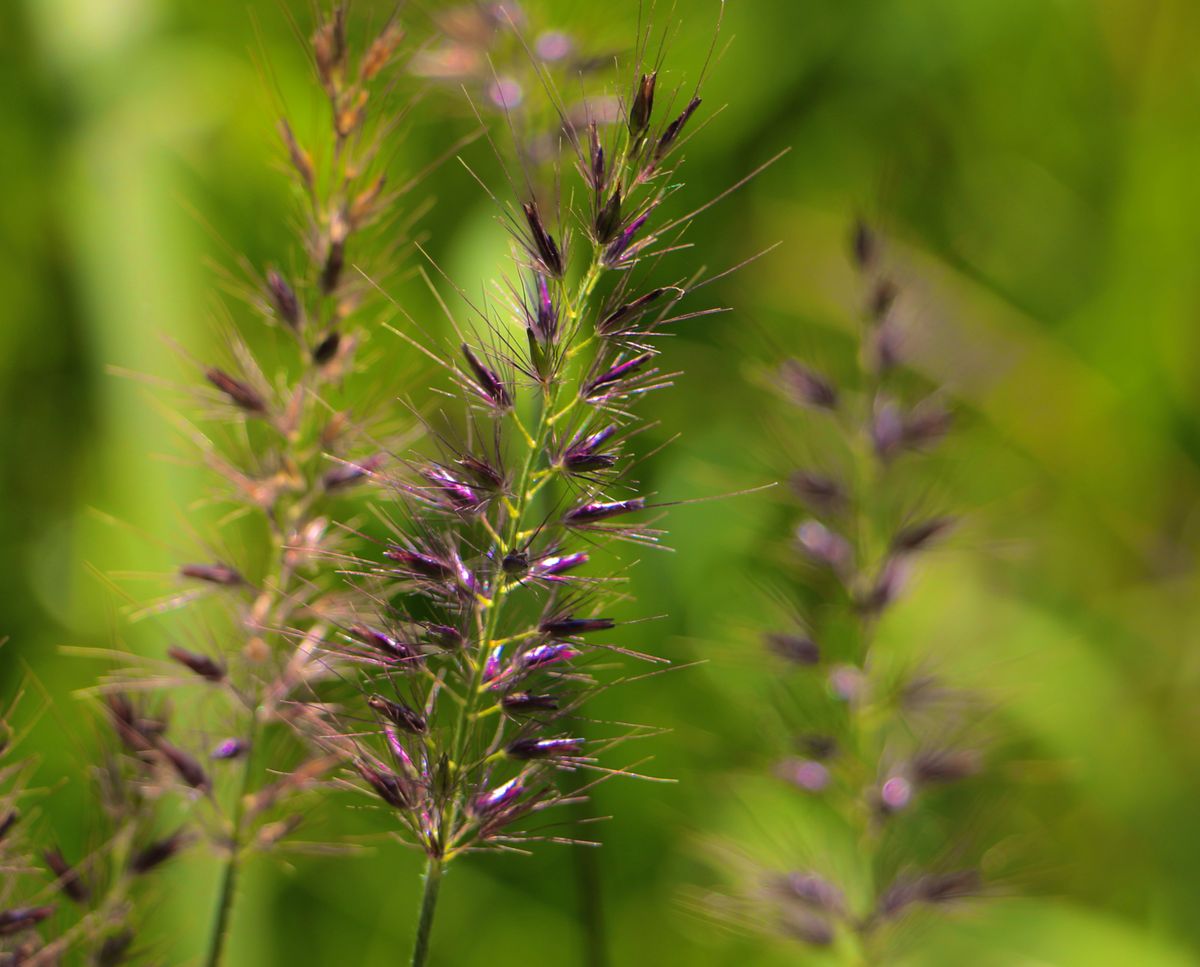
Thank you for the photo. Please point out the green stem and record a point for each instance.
(429, 897)
(229, 876)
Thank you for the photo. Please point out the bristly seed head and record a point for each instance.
(396, 791)
(157, 853)
(615, 374)
(673, 130)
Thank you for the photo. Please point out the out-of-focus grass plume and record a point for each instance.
(1033, 164)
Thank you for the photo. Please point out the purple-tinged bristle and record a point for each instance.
(221, 574)
(400, 715)
(198, 664)
(229, 749)
(242, 395)
(544, 748)
(595, 512)
(566, 626)
(487, 383)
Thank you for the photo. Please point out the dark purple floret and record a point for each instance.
(484, 474)
(822, 545)
(543, 246)
(115, 949)
(551, 568)
(673, 130)
(564, 626)
(544, 322)
(416, 564)
(325, 350)
(221, 574)
(69, 881)
(620, 319)
(444, 636)
(487, 382)
(331, 271)
(925, 425)
(383, 642)
(544, 748)
(200, 665)
(592, 513)
(346, 474)
(608, 219)
(619, 248)
(7, 822)
(813, 890)
(19, 919)
(491, 668)
(404, 718)
(794, 648)
(157, 853)
(527, 702)
(643, 105)
(396, 791)
(188, 769)
(819, 492)
(495, 801)
(583, 454)
(543, 655)
(887, 429)
(945, 765)
(229, 749)
(283, 297)
(615, 374)
(242, 395)
(807, 387)
(452, 493)
(917, 536)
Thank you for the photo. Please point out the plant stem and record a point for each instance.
(429, 897)
(229, 876)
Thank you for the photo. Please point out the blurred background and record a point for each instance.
(1033, 166)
